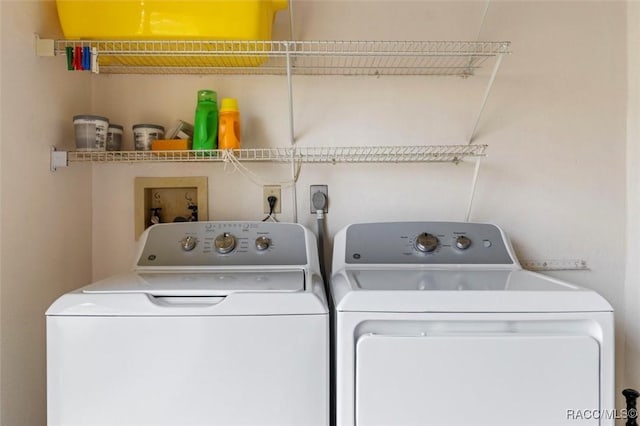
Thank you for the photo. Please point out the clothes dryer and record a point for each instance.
(438, 325)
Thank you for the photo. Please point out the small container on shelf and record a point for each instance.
(114, 137)
(205, 127)
(90, 132)
(170, 145)
(145, 134)
(181, 130)
(229, 124)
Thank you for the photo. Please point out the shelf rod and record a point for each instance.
(291, 27)
(294, 187)
(290, 96)
(472, 193)
(492, 79)
(483, 19)
(292, 135)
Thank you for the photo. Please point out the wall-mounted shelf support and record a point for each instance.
(485, 97)
(555, 265)
(472, 192)
(292, 134)
(45, 47)
(58, 159)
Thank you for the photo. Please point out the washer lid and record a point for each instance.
(223, 293)
(180, 284)
(414, 290)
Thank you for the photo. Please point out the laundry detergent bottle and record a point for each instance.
(205, 127)
(229, 129)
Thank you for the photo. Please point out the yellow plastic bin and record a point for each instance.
(218, 20)
(168, 19)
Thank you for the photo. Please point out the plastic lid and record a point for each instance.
(116, 126)
(152, 126)
(90, 117)
(207, 96)
(229, 104)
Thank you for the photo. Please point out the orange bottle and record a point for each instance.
(229, 124)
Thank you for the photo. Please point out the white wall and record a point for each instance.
(554, 178)
(555, 123)
(2, 58)
(632, 288)
(46, 217)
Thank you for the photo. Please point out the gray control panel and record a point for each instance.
(425, 243)
(224, 244)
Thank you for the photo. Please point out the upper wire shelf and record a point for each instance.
(330, 155)
(460, 58)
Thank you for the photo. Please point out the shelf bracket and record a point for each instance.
(485, 97)
(295, 173)
(472, 192)
(45, 47)
(292, 136)
(291, 28)
(58, 159)
(555, 265)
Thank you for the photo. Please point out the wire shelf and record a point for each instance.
(390, 154)
(214, 155)
(332, 155)
(306, 57)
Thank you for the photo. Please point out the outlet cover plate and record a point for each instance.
(269, 190)
(322, 188)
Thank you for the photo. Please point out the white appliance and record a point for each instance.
(438, 325)
(218, 324)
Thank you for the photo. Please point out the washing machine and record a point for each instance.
(437, 324)
(219, 324)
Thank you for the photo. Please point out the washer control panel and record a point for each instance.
(224, 244)
(426, 243)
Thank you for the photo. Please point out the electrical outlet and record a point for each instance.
(319, 188)
(267, 191)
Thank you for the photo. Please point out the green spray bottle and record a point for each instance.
(205, 127)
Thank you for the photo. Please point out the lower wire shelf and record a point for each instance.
(329, 155)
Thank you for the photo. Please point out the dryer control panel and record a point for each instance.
(223, 244)
(426, 243)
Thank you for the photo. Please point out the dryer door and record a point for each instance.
(490, 380)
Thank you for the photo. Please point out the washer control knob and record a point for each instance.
(426, 243)
(188, 243)
(262, 243)
(463, 242)
(225, 243)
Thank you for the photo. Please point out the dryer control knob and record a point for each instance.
(188, 243)
(262, 243)
(426, 243)
(463, 242)
(225, 243)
